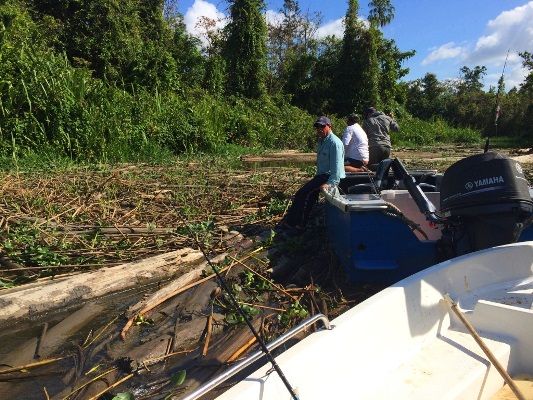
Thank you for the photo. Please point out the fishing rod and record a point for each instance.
(237, 307)
(497, 106)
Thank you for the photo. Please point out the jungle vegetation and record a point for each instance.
(122, 80)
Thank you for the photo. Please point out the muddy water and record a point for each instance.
(67, 329)
(80, 321)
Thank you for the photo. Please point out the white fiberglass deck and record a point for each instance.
(402, 343)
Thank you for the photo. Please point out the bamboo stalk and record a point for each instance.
(151, 306)
(260, 306)
(161, 358)
(512, 385)
(114, 385)
(242, 349)
(88, 383)
(31, 365)
(101, 332)
(60, 267)
(208, 334)
(169, 345)
(40, 341)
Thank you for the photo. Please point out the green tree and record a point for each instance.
(466, 104)
(319, 96)
(292, 34)
(245, 49)
(392, 92)
(185, 50)
(349, 93)
(472, 79)
(283, 36)
(370, 66)
(381, 12)
(526, 92)
(380, 76)
(527, 62)
(426, 97)
(371, 74)
(122, 41)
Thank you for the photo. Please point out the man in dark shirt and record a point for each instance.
(377, 126)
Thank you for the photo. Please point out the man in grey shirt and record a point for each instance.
(377, 126)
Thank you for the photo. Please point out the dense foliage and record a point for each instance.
(119, 80)
(245, 49)
(464, 103)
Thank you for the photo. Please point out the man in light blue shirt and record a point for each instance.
(330, 170)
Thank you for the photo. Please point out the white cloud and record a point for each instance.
(444, 52)
(332, 28)
(202, 8)
(336, 28)
(274, 18)
(510, 31)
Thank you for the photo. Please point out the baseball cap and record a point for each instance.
(322, 121)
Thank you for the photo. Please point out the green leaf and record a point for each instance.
(179, 377)
(6, 284)
(124, 396)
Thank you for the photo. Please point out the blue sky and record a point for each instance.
(445, 34)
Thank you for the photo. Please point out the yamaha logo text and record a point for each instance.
(484, 182)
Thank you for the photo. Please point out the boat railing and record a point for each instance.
(213, 383)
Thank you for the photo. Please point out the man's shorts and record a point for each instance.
(353, 162)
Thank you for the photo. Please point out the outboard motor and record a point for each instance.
(485, 202)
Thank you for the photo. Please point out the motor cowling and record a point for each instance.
(486, 202)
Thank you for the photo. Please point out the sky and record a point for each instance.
(446, 35)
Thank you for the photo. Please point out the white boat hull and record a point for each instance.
(403, 342)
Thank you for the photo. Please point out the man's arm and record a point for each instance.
(394, 125)
(346, 137)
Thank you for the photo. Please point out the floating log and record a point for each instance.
(22, 302)
(286, 156)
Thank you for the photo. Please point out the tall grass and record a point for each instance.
(414, 131)
(63, 110)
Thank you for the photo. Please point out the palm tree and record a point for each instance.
(381, 12)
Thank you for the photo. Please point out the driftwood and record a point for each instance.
(27, 301)
(173, 289)
(286, 156)
(176, 287)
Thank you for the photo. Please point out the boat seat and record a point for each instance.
(362, 188)
(448, 369)
(426, 187)
(366, 188)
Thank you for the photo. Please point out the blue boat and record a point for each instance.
(387, 225)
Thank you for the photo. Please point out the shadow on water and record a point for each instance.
(67, 332)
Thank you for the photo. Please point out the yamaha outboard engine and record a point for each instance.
(485, 202)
